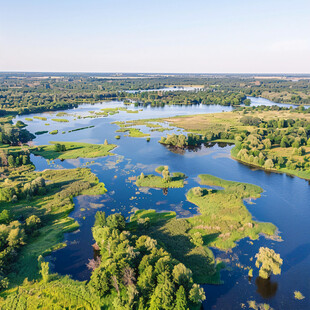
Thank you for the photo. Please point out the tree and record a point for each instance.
(197, 239)
(269, 164)
(197, 294)
(180, 300)
(16, 237)
(129, 276)
(5, 217)
(296, 143)
(116, 221)
(182, 276)
(100, 280)
(267, 144)
(197, 191)
(57, 147)
(45, 268)
(269, 262)
(33, 222)
(100, 219)
(166, 174)
(105, 142)
(284, 142)
(25, 160)
(146, 280)
(163, 295)
(11, 161)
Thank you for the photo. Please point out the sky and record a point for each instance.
(175, 36)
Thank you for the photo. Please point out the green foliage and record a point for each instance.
(45, 271)
(224, 218)
(46, 217)
(5, 217)
(58, 293)
(60, 120)
(174, 180)
(116, 221)
(72, 150)
(197, 239)
(269, 262)
(197, 294)
(137, 271)
(298, 295)
(100, 219)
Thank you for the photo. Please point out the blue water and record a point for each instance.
(285, 202)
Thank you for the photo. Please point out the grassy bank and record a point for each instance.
(73, 150)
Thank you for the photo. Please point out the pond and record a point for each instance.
(285, 201)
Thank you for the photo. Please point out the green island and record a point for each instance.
(224, 218)
(72, 150)
(174, 180)
(136, 132)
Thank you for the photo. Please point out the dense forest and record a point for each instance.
(27, 93)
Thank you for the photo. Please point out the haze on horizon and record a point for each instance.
(155, 36)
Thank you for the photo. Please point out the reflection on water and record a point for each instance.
(265, 287)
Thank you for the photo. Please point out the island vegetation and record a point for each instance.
(168, 180)
(72, 150)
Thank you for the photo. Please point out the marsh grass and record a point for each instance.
(40, 118)
(68, 293)
(52, 208)
(60, 120)
(223, 213)
(176, 180)
(73, 150)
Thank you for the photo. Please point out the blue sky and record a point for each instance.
(235, 36)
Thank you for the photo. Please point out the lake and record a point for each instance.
(284, 202)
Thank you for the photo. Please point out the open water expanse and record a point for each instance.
(285, 201)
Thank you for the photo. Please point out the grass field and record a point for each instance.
(59, 293)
